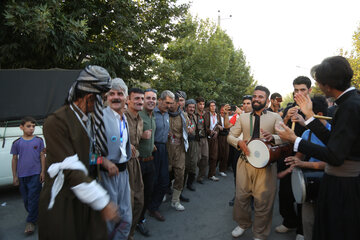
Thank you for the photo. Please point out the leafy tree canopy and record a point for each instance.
(203, 62)
(354, 58)
(119, 35)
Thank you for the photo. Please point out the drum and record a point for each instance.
(262, 153)
(305, 185)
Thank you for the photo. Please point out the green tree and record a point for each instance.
(354, 58)
(203, 62)
(120, 35)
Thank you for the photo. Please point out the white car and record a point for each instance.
(7, 136)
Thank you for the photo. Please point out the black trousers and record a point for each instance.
(291, 217)
(234, 155)
(161, 178)
(148, 176)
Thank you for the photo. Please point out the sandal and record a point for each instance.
(30, 228)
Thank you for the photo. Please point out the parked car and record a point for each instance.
(7, 136)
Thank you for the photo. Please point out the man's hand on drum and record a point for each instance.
(242, 145)
(285, 133)
(294, 161)
(305, 104)
(267, 135)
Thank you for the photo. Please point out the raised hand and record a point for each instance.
(305, 104)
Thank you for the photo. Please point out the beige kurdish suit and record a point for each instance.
(257, 182)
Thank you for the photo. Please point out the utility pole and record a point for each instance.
(219, 18)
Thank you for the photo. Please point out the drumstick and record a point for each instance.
(322, 117)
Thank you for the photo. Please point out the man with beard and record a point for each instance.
(203, 153)
(260, 183)
(71, 202)
(161, 179)
(213, 126)
(234, 153)
(114, 175)
(135, 105)
(177, 145)
(191, 157)
(146, 148)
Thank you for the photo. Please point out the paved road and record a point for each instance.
(207, 216)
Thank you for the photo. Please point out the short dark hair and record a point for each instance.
(275, 95)
(211, 101)
(264, 89)
(302, 80)
(249, 97)
(78, 94)
(27, 119)
(135, 90)
(200, 99)
(335, 72)
(319, 104)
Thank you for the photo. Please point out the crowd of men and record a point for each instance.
(116, 163)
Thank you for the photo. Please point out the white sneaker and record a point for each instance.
(299, 237)
(283, 229)
(164, 198)
(237, 232)
(257, 239)
(178, 206)
(213, 178)
(223, 174)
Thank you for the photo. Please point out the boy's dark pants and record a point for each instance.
(30, 188)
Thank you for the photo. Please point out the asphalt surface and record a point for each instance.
(207, 216)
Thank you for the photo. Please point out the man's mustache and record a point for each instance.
(116, 101)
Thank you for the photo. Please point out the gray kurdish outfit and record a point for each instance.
(118, 186)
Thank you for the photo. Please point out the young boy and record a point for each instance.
(28, 168)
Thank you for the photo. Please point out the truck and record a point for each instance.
(28, 92)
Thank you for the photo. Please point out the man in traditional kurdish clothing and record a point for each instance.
(259, 183)
(213, 127)
(71, 202)
(114, 175)
(177, 145)
(135, 105)
(203, 153)
(192, 154)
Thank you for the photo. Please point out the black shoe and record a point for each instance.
(184, 199)
(231, 202)
(190, 187)
(142, 229)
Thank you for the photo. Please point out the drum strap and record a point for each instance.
(251, 126)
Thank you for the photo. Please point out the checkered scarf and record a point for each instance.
(94, 79)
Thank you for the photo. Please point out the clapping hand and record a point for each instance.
(305, 104)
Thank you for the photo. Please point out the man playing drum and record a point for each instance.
(250, 181)
(337, 214)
